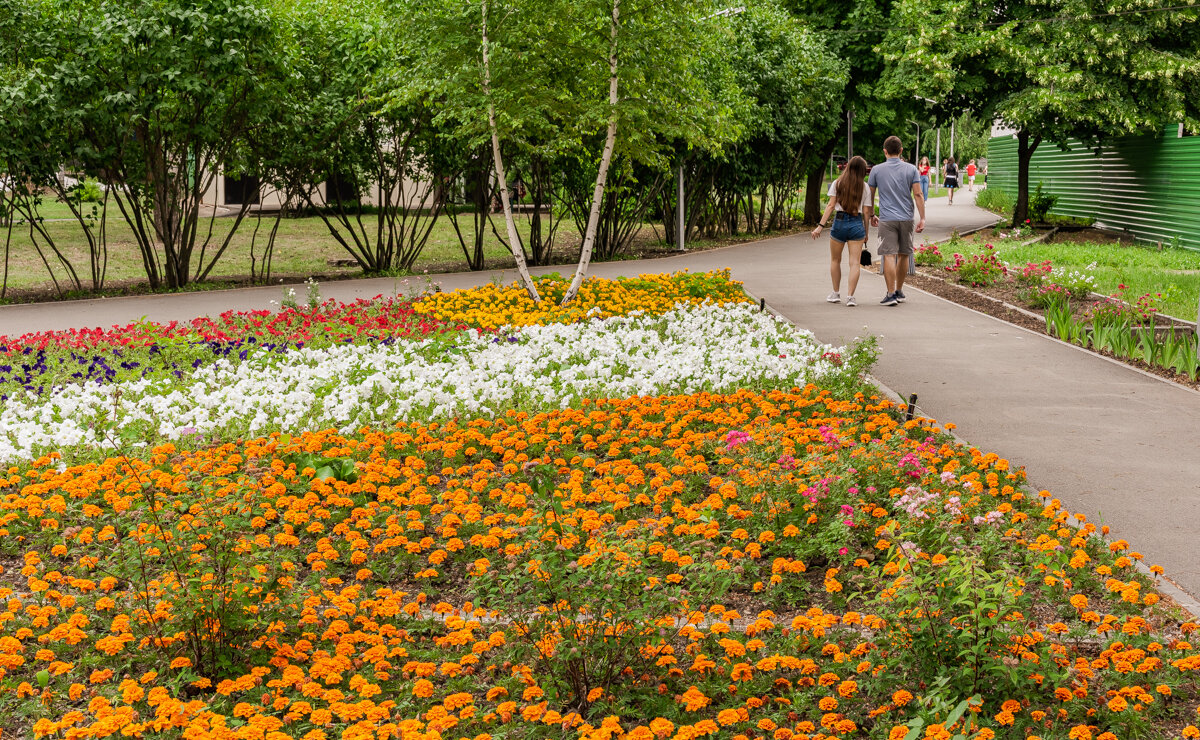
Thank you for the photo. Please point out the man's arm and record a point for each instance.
(920, 201)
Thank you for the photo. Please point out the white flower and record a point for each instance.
(688, 350)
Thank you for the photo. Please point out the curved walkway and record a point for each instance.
(1109, 441)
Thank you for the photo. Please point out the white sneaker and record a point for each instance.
(834, 297)
(850, 301)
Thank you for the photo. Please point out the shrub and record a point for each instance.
(1040, 204)
(1046, 295)
(978, 269)
(995, 200)
(1035, 273)
(928, 255)
(1078, 284)
(88, 191)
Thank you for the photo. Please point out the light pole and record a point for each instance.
(917, 149)
(849, 135)
(680, 224)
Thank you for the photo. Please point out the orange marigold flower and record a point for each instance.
(728, 717)
(181, 662)
(901, 697)
(422, 688)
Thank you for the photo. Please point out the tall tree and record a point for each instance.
(1054, 70)
(162, 91)
(854, 30)
(559, 73)
(789, 87)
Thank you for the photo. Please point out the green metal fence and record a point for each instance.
(1148, 186)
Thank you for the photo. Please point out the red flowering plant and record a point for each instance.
(1034, 274)
(980, 270)
(929, 255)
(41, 361)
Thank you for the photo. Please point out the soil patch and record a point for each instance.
(1002, 302)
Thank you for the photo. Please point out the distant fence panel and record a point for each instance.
(1148, 186)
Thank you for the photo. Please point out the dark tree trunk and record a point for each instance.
(1025, 149)
(812, 186)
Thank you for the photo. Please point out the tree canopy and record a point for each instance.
(1054, 70)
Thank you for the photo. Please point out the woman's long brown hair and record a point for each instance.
(849, 186)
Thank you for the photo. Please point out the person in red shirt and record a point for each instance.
(971, 175)
(923, 170)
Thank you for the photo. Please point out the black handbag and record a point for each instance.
(864, 259)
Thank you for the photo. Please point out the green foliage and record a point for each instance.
(956, 615)
(980, 269)
(1040, 203)
(1089, 73)
(785, 85)
(160, 140)
(549, 93)
(995, 200)
(590, 608)
(88, 191)
(971, 135)
(1061, 322)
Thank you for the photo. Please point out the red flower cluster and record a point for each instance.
(332, 321)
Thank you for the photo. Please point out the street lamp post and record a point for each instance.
(679, 209)
(917, 149)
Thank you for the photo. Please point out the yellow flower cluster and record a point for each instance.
(493, 306)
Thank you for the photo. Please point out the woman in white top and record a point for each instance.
(850, 200)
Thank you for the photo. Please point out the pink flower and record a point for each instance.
(843, 551)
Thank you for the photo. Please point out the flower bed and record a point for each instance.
(784, 563)
(720, 532)
(494, 306)
(351, 385)
(326, 323)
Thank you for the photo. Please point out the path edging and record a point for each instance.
(1162, 584)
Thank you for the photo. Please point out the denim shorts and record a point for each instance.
(847, 228)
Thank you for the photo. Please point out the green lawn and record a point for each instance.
(1175, 273)
(303, 247)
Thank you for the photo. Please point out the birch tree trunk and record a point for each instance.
(589, 237)
(514, 242)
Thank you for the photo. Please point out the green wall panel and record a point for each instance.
(1146, 185)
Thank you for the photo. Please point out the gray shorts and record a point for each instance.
(895, 237)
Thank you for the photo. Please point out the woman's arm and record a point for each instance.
(825, 216)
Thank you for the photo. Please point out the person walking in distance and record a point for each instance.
(971, 175)
(848, 199)
(898, 186)
(923, 170)
(951, 177)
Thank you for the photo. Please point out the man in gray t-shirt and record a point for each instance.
(899, 187)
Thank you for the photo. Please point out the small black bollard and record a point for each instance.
(912, 407)
(762, 304)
